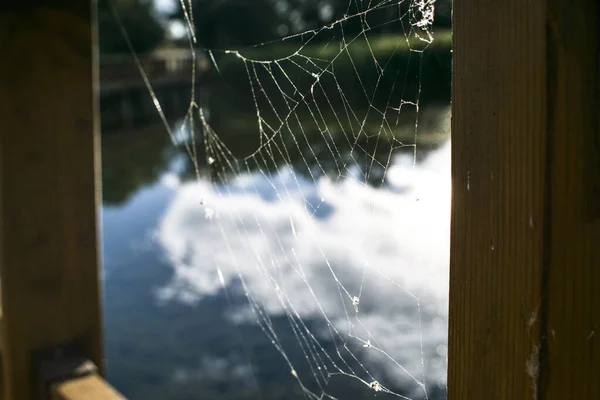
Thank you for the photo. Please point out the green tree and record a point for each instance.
(225, 24)
(229, 24)
(137, 17)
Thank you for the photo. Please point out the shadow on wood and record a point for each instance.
(525, 246)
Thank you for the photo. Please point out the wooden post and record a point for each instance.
(524, 318)
(571, 353)
(48, 188)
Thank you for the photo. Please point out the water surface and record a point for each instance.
(243, 286)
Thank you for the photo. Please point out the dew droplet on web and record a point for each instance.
(376, 386)
(355, 303)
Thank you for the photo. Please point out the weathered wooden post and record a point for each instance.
(525, 242)
(49, 193)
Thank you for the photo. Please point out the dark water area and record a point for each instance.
(187, 318)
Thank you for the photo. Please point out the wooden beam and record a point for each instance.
(91, 387)
(48, 189)
(525, 253)
(571, 352)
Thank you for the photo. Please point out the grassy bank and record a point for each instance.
(386, 68)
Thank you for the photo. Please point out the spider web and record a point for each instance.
(366, 312)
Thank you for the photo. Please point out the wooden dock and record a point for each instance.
(125, 100)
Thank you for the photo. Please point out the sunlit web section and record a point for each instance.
(331, 111)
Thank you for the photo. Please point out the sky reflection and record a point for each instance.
(294, 247)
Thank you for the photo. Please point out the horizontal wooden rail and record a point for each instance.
(90, 387)
(71, 378)
(122, 73)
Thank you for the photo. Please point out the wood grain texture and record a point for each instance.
(498, 197)
(573, 278)
(525, 241)
(48, 197)
(91, 387)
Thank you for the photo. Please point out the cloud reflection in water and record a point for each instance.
(298, 246)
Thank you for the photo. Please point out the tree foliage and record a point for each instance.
(240, 23)
(137, 16)
(221, 24)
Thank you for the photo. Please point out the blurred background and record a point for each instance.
(345, 212)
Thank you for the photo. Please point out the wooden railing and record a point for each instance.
(122, 72)
(124, 68)
(524, 314)
(74, 379)
(49, 191)
(90, 387)
(525, 261)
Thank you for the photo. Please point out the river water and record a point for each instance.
(243, 288)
